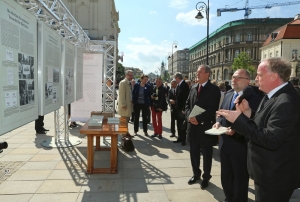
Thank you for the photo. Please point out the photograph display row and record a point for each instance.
(34, 81)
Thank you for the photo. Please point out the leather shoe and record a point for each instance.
(177, 141)
(44, 129)
(193, 180)
(183, 143)
(204, 184)
(41, 132)
(173, 135)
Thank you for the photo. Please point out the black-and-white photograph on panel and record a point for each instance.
(49, 49)
(26, 68)
(26, 91)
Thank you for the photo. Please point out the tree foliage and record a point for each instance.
(243, 61)
(120, 72)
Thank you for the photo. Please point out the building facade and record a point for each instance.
(228, 41)
(180, 62)
(98, 18)
(285, 42)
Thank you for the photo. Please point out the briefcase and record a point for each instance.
(127, 144)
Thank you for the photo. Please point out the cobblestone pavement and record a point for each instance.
(158, 170)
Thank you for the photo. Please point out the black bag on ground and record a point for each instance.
(127, 144)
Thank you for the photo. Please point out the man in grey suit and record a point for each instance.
(233, 146)
(273, 132)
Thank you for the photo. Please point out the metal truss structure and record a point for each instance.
(55, 14)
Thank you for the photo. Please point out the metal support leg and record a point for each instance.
(62, 138)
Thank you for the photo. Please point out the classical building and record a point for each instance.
(228, 41)
(284, 42)
(180, 62)
(98, 18)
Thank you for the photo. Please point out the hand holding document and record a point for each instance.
(217, 131)
(196, 111)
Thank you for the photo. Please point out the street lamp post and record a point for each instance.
(204, 7)
(174, 45)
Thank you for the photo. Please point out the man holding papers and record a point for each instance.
(233, 146)
(206, 96)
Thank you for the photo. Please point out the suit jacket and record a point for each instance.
(182, 93)
(125, 98)
(148, 90)
(236, 144)
(273, 149)
(161, 101)
(172, 96)
(208, 99)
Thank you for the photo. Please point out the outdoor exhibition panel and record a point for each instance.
(67, 72)
(49, 68)
(18, 66)
(78, 75)
(92, 88)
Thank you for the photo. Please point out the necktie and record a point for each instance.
(174, 92)
(233, 99)
(264, 100)
(199, 90)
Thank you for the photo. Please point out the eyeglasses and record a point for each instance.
(238, 77)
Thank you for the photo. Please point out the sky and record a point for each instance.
(149, 27)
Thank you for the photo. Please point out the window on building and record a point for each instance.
(265, 56)
(237, 38)
(271, 55)
(249, 53)
(249, 37)
(236, 53)
(277, 54)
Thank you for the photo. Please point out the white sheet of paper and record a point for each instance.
(215, 131)
(196, 111)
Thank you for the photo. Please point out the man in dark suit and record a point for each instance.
(182, 92)
(273, 149)
(207, 96)
(39, 126)
(172, 98)
(233, 146)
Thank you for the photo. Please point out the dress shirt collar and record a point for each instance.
(272, 92)
(240, 93)
(203, 84)
(180, 82)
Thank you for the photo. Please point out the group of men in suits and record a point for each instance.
(272, 135)
(262, 139)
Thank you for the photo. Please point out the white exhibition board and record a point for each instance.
(49, 69)
(78, 75)
(67, 72)
(18, 66)
(92, 88)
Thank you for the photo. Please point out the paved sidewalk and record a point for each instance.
(158, 170)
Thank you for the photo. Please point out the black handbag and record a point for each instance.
(127, 144)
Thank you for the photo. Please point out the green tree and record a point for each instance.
(243, 61)
(120, 72)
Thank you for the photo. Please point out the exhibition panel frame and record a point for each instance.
(49, 69)
(18, 66)
(67, 72)
(78, 91)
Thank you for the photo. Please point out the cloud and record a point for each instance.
(143, 54)
(178, 4)
(189, 18)
(153, 13)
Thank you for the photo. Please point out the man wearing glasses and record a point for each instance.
(233, 146)
(125, 97)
